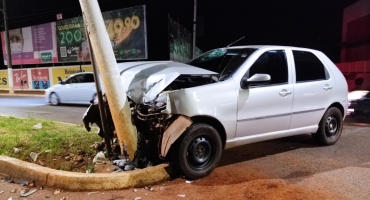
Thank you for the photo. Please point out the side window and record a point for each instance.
(89, 78)
(308, 67)
(76, 79)
(272, 63)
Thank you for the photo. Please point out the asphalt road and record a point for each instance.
(37, 107)
(271, 167)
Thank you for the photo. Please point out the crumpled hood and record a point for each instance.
(143, 81)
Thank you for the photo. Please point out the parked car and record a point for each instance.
(233, 96)
(359, 103)
(78, 88)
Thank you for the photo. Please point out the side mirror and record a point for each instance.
(60, 80)
(257, 79)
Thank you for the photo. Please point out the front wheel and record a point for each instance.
(330, 127)
(54, 99)
(198, 151)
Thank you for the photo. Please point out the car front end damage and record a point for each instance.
(148, 91)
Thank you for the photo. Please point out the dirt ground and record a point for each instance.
(248, 184)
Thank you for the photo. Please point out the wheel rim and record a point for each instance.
(201, 152)
(331, 126)
(54, 99)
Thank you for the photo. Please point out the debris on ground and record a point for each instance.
(9, 179)
(22, 182)
(137, 198)
(16, 150)
(41, 163)
(56, 191)
(27, 192)
(34, 156)
(99, 158)
(64, 198)
(189, 181)
(120, 163)
(148, 188)
(37, 126)
(12, 191)
(92, 192)
(181, 195)
(47, 196)
(135, 190)
(1, 192)
(10, 198)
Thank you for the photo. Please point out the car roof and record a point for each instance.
(272, 46)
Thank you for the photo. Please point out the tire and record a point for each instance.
(330, 127)
(54, 99)
(198, 151)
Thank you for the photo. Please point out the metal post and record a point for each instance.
(9, 52)
(194, 27)
(103, 113)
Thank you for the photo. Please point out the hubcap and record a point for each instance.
(54, 99)
(200, 152)
(331, 126)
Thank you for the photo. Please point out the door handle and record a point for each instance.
(327, 87)
(285, 93)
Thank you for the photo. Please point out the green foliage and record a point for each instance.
(53, 139)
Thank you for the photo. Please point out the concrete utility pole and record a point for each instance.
(9, 52)
(194, 27)
(110, 75)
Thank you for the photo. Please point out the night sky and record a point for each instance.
(305, 23)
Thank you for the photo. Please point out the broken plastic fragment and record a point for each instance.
(181, 195)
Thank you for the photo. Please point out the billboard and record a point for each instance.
(40, 78)
(31, 45)
(64, 72)
(126, 29)
(4, 79)
(180, 42)
(20, 79)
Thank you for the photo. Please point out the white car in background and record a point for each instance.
(78, 88)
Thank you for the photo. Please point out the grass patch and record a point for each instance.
(59, 138)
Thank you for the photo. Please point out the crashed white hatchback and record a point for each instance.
(234, 96)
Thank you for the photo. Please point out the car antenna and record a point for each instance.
(236, 41)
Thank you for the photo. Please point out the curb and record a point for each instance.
(22, 95)
(74, 181)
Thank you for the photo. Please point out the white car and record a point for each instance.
(78, 88)
(233, 96)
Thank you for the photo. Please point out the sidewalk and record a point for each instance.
(23, 93)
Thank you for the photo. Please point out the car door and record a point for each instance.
(64, 90)
(313, 89)
(266, 108)
(87, 88)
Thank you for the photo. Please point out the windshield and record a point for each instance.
(223, 61)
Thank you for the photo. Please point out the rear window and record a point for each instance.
(308, 67)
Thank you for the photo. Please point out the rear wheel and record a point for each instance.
(54, 99)
(330, 127)
(198, 151)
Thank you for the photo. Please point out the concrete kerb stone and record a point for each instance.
(74, 181)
